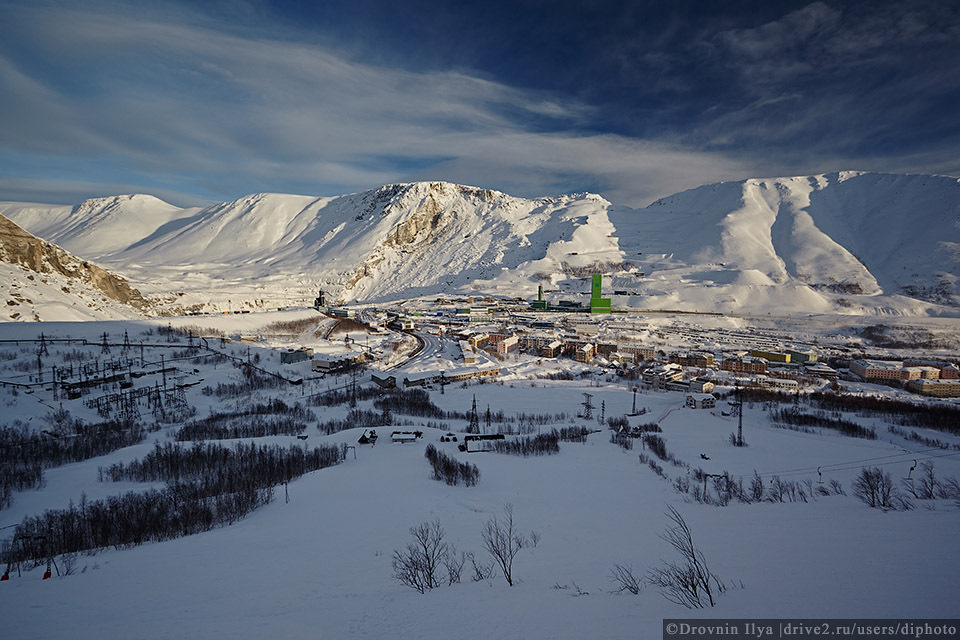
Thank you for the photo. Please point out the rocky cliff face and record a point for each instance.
(20, 248)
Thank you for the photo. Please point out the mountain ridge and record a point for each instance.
(850, 242)
(61, 273)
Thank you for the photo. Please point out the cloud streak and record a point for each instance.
(229, 114)
(168, 100)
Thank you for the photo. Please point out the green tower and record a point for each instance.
(539, 303)
(597, 303)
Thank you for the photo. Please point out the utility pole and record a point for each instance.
(739, 417)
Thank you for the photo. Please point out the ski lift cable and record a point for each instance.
(905, 454)
(845, 466)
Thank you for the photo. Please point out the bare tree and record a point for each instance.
(502, 541)
(875, 487)
(926, 486)
(418, 565)
(688, 582)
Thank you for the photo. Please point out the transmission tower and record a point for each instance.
(474, 426)
(587, 406)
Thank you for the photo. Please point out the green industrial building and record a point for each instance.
(539, 304)
(597, 303)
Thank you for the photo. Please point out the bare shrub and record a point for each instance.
(480, 571)
(453, 563)
(949, 489)
(625, 579)
(757, 488)
(687, 582)
(534, 539)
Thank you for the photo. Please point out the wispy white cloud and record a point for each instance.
(170, 101)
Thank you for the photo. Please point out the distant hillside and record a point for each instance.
(844, 242)
(44, 281)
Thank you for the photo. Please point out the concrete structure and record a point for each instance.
(778, 383)
(771, 356)
(606, 348)
(467, 352)
(508, 345)
(947, 370)
(661, 374)
(455, 375)
(701, 401)
(551, 350)
(290, 356)
(880, 370)
(802, 356)
(323, 363)
(384, 379)
(400, 324)
(937, 388)
(585, 353)
(821, 371)
(479, 341)
(700, 385)
(536, 342)
(639, 353)
(744, 364)
(700, 359)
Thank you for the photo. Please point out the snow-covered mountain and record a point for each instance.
(849, 242)
(44, 282)
(96, 226)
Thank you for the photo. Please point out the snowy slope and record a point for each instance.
(319, 565)
(848, 242)
(97, 226)
(818, 240)
(44, 282)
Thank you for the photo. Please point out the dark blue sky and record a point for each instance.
(634, 100)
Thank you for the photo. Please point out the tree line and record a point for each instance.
(542, 444)
(451, 470)
(25, 453)
(220, 469)
(251, 423)
(796, 418)
(208, 486)
(928, 415)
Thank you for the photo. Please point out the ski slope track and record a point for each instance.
(848, 242)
